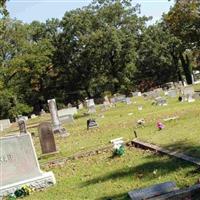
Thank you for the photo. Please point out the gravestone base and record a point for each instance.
(44, 155)
(61, 131)
(46, 179)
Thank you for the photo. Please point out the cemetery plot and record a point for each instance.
(137, 169)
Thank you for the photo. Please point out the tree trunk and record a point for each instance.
(186, 68)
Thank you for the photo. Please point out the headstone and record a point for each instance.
(91, 106)
(196, 95)
(90, 102)
(69, 105)
(57, 128)
(134, 94)
(190, 98)
(128, 101)
(153, 191)
(80, 106)
(67, 118)
(5, 123)
(120, 98)
(172, 93)
(189, 90)
(160, 101)
(33, 116)
(19, 165)
(67, 111)
(22, 126)
(91, 123)
(42, 112)
(46, 136)
(140, 107)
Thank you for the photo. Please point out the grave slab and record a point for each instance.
(153, 191)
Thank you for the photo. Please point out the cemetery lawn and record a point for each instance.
(100, 176)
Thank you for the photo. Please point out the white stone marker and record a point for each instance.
(19, 165)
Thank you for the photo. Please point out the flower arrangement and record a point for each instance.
(160, 126)
(22, 192)
(120, 151)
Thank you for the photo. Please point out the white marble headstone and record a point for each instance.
(19, 165)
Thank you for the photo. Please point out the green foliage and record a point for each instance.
(10, 106)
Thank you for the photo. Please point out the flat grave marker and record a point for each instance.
(153, 191)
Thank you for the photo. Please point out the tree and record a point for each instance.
(183, 20)
(97, 48)
(3, 10)
(155, 63)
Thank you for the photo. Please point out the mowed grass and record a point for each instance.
(100, 176)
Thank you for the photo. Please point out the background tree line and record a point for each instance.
(104, 47)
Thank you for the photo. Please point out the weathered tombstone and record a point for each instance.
(153, 191)
(57, 128)
(91, 123)
(19, 165)
(22, 126)
(46, 136)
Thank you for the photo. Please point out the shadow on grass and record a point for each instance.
(145, 171)
(185, 147)
(123, 196)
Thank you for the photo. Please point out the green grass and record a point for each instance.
(100, 177)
